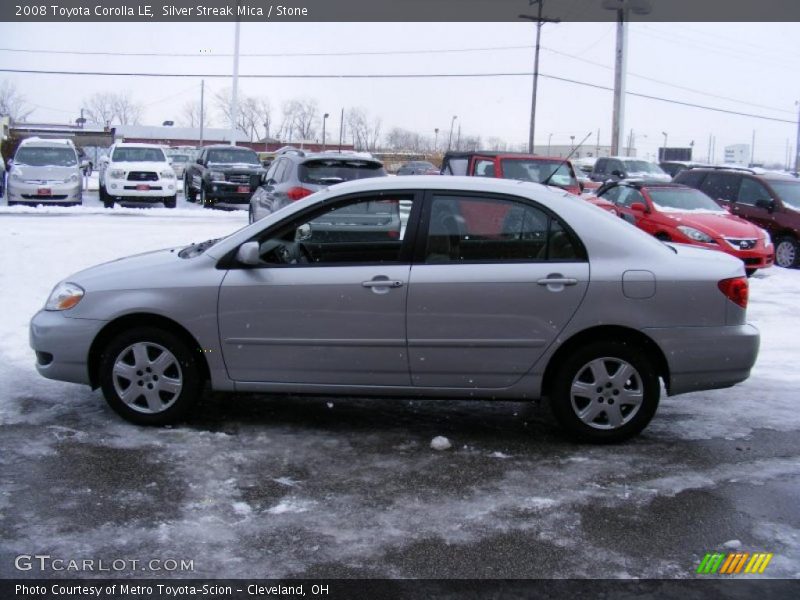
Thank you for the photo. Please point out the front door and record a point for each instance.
(497, 281)
(327, 304)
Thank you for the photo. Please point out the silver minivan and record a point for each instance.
(45, 171)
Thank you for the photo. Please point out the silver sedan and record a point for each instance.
(484, 288)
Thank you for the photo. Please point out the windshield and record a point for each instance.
(178, 158)
(680, 199)
(138, 155)
(789, 192)
(642, 166)
(538, 171)
(46, 157)
(332, 171)
(233, 157)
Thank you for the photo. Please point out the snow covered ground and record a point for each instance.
(274, 486)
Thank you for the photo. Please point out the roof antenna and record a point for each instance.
(563, 162)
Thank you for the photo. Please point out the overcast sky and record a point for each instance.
(746, 67)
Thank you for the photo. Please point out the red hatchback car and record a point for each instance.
(679, 213)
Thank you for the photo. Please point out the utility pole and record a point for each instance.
(202, 107)
(539, 20)
(341, 130)
(324, 119)
(597, 145)
(435, 139)
(797, 143)
(630, 143)
(709, 148)
(458, 140)
(235, 92)
(450, 139)
(753, 150)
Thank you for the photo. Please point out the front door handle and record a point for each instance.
(557, 281)
(382, 283)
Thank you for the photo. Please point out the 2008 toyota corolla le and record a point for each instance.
(481, 289)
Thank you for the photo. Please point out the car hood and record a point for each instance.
(717, 224)
(45, 173)
(126, 272)
(140, 166)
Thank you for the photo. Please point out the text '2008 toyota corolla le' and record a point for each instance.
(479, 289)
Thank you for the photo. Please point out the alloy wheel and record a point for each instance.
(607, 393)
(147, 377)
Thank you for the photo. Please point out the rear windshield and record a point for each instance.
(233, 157)
(138, 155)
(46, 157)
(538, 171)
(789, 192)
(642, 166)
(332, 171)
(179, 158)
(683, 199)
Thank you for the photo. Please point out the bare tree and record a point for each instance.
(13, 104)
(112, 107)
(190, 114)
(253, 113)
(300, 119)
(222, 99)
(365, 132)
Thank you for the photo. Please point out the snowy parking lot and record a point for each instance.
(279, 486)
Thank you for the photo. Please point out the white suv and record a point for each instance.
(137, 173)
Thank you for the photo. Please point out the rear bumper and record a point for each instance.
(706, 358)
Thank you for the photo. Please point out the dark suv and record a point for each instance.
(222, 175)
(295, 174)
(770, 200)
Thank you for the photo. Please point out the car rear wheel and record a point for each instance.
(170, 201)
(786, 252)
(188, 193)
(150, 376)
(605, 392)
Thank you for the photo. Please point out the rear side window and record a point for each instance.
(600, 165)
(456, 166)
(475, 229)
(690, 177)
(332, 171)
(721, 186)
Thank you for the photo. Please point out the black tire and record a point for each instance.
(750, 272)
(250, 217)
(576, 370)
(188, 192)
(183, 366)
(204, 199)
(787, 252)
(170, 202)
(108, 201)
(664, 237)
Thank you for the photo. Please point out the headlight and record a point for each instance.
(168, 174)
(117, 173)
(64, 296)
(217, 175)
(72, 178)
(695, 234)
(15, 176)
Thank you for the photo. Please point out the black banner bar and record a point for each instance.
(394, 10)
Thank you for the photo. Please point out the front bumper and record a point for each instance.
(224, 192)
(121, 189)
(20, 191)
(706, 358)
(62, 345)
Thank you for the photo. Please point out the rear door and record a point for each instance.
(495, 279)
(483, 166)
(750, 192)
(722, 187)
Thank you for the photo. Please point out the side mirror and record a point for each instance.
(303, 233)
(768, 205)
(199, 161)
(248, 254)
(638, 207)
(266, 163)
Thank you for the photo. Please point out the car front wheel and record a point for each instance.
(786, 252)
(204, 199)
(605, 392)
(188, 193)
(150, 376)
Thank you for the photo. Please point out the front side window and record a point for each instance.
(788, 192)
(721, 186)
(138, 155)
(362, 231)
(751, 191)
(46, 157)
(484, 168)
(466, 229)
(628, 196)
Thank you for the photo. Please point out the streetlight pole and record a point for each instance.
(539, 20)
(234, 93)
(450, 139)
(324, 119)
(639, 7)
(435, 139)
(664, 153)
(572, 143)
(549, 137)
(797, 143)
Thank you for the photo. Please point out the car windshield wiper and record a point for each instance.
(198, 248)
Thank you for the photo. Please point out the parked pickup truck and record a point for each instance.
(222, 175)
(513, 165)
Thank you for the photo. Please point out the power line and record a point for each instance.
(398, 76)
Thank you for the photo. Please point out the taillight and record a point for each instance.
(735, 289)
(296, 193)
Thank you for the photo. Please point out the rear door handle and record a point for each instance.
(382, 283)
(557, 281)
